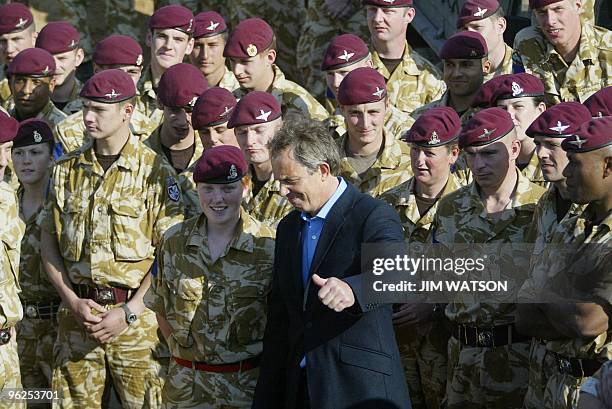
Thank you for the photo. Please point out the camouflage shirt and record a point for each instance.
(294, 99)
(228, 81)
(391, 168)
(75, 104)
(217, 310)
(108, 224)
(185, 178)
(533, 171)
(11, 232)
(587, 74)
(49, 114)
(267, 206)
(442, 102)
(396, 123)
(146, 102)
(33, 279)
(462, 218)
(414, 83)
(416, 226)
(5, 92)
(505, 67)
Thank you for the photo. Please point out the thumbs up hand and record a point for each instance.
(334, 293)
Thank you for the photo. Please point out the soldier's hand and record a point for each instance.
(338, 9)
(113, 323)
(82, 310)
(334, 293)
(412, 314)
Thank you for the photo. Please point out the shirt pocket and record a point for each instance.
(131, 235)
(73, 219)
(187, 297)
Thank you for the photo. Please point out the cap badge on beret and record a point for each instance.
(263, 115)
(213, 26)
(73, 44)
(233, 172)
(346, 56)
(516, 89)
(192, 102)
(379, 92)
(112, 95)
(21, 23)
(435, 139)
(480, 12)
(559, 128)
(486, 133)
(252, 50)
(389, 1)
(37, 136)
(226, 112)
(139, 59)
(190, 25)
(578, 142)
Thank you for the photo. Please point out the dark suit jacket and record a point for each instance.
(352, 356)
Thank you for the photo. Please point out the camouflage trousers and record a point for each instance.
(190, 388)
(132, 358)
(423, 353)
(36, 338)
(10, 378)
(534, 399)
(487, 378)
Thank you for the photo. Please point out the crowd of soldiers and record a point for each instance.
(138, 209)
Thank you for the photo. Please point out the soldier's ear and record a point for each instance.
(190, 45)
(500, 25)
(80, 56)
(149, 38)
(271, 56)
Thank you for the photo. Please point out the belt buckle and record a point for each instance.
(31, 311)
(485, 338)
(104, 295)
(5, 336)
(565, 366)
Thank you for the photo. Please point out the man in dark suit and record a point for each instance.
(324, 346)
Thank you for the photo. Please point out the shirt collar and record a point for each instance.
(322, 214)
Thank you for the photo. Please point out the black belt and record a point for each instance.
(41, 310)
(104, 295)
(5, 336)
(486, 337)
(576, 367)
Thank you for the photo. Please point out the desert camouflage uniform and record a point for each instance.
(285, 17)
(70, 133)
(587, 74)
(146, 102)
(228, 81)
(533, 171)
(486, 377)
(414, 83)
(318, 30)
(11, 311)
(49, 114)
(5, 92)
(583, 269)
(191, 201)
(267, 206)
(396, 123)
(107, 226)
(505, 67)
(216, 310)
(391, 168)
(36, 335)
(75, 104)
(423, 348)
(294, 99)
(442, 102)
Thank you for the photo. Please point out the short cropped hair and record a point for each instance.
(309, 141)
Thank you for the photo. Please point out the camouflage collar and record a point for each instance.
(408, 64)
(279, 84)
(605, 227)
(272, 185)
(242, 241)
(154, 142)
(522, 194)
(587, 52)
(145, 84)
(389, 158)
(126, 159)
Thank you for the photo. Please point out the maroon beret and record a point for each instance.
(591, 135)
(559, 121)
(33, 132)
(485, 127)
(173, 16)
(8, 127)
(256, 107)
(14, 17)
(436, 127)
(387, 3)
(536, 4)
(511, 86)
(181, 85)
(220, 165)
(32, 61)
(118, 50)
(361, 86)
(600, 103)
(58, 37)
(344, 50)
(212, 108)
(109, 86)
(473, 10)
(484, 96)
(249, 38)
(209, 23)
(464, 44)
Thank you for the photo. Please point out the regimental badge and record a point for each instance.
(192, 102)
(516, 89)
(346, 56)
(213, 26)
(559, 128)
(21, 23)
(233, 172)
(480, 12)
(389, 1)
(263, 115)
(139, 59)
(73, 44)
(487, 133)
(434, 139)
(190, 25)
(251, 50)
(379, 92)
(112, 95)
(226, 112)
(46, 71)
(578, 142)
(174, 193)
(37, 136)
